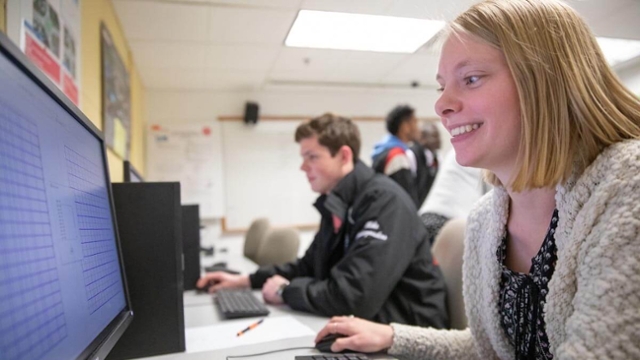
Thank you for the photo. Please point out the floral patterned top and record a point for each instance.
(523, 296)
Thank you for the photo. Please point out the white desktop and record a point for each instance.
(200, 313)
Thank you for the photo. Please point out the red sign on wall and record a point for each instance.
(38, 54)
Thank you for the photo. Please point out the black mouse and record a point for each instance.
(214, 268)
(204, 289)
(324, 345)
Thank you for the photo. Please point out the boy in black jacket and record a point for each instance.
(370, 258)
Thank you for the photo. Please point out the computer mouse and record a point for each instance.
(215, 268)
(204, 289)
(324, 345)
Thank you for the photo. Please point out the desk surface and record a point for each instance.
(200, 311)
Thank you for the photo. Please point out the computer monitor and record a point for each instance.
(63, 292)
(130, 173)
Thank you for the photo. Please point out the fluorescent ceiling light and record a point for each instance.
(617, 51)
(344, 31)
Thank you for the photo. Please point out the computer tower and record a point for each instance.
(191, 245)
(149, 217)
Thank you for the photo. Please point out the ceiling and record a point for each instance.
(238, 45)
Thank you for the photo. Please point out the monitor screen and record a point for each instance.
(130, 174)
(62, 293)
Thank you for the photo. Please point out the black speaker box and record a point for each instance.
(149, 219)
(251, 113)
(191, 245)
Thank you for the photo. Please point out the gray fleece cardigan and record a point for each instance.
(593, 304)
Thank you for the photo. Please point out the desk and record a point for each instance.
(200, 311)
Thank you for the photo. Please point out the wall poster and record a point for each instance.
(49, 37)
(116, 97)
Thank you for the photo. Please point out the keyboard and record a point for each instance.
(214, 268)
(333, 357)
(234, 303)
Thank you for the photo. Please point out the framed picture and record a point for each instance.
(116, 97)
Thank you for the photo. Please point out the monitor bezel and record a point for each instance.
(128, 170)
(100, 347)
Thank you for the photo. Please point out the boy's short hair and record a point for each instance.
(333, 132)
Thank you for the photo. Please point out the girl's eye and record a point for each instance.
(472, 79)
(440, 89)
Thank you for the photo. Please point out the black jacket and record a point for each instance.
(402, 177)
(425, 175)
(377, 266)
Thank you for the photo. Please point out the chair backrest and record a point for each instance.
(254, 237)
(279, 246)
(448, 250)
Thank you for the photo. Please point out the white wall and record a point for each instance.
(630, 76)
(171, 107)
(167, 107)
(180, 106)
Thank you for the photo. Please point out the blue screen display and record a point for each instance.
(60, 277)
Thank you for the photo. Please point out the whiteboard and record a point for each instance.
(262, 173)
(192, 155)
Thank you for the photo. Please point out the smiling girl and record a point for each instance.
(551, 264)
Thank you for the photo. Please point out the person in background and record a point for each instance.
(392, 155)
(427, 162)
(371, 256)
(453, 194)
(551, 266)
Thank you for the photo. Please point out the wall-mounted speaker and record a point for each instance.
(251, 113)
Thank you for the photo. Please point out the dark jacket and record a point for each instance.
(425, 174)
(377, 266)
(402, 177)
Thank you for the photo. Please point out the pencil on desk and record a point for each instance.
(241, 332)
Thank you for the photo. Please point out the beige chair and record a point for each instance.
(254, 237)
(279, 246)
(448, 250)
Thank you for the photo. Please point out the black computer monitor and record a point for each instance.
(130, 173)
(63, 292)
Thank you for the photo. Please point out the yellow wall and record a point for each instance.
(3, 15)
(91, 81)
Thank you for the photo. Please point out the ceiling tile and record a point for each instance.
(281, 4)
(433, 10)
(234, 81)
(152, 20)
(372, 7)
(620, 18)
(174, 55)
(176, 79)
(373, 64)
(305, 60)
(240, 57)
(238, 44)
(418, 67)
(249, 26)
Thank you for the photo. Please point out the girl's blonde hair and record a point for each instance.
(572, 104)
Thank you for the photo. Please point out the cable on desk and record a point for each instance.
(268, 352)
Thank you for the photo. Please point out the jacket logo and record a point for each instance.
(372, 225)
(374, 234)
(372, 229)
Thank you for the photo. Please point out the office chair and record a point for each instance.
(448, 251)
(279, 246)
(254, 237)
